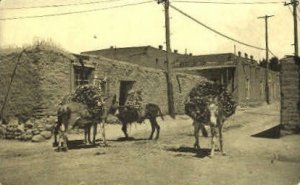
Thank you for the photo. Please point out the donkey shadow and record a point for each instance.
(79, 144)
(199, 153)
(128, 139)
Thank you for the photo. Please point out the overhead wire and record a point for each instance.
(229, 3)
(58, 5)
(213, 30)
(74, 12)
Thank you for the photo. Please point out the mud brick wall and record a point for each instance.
(25, 90)
(42, 79)
(290, 96)
(45, 76)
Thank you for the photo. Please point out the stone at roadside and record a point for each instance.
(48, 127)
(29, 124)
(13, 121)
(35, 132)
(38, 138)
(46, 134)
(21, 128)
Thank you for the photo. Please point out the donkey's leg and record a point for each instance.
(55, 133)
(157, 129)
(196, 134)
(103, 133)
(85, 135)
(89, 134)
(152, 128)
(124, 129)
(203, 130)
(213, 139)
(94, 132)
(220, 127)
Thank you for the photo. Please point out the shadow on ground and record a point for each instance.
(271, 133)
(79, 144)
(200, 153)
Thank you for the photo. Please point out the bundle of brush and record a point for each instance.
(89, 95)
(196, 105)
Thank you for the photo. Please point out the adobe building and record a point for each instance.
(290, 96)
(45, 75)
(242, 75)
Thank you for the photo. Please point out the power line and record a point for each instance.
(228, 3)
(215, 31)
(75, 12)
(58, 5)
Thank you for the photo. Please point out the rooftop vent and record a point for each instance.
(239, 54)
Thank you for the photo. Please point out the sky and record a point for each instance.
(143, 25)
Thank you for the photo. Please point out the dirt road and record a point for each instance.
(170, 160)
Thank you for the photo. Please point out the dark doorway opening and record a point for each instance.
(125, 86)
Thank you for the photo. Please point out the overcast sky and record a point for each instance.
(144, 25)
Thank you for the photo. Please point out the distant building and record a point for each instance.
(242, 75)
(146, 56)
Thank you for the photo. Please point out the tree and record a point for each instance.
(275, 64)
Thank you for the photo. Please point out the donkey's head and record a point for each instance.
(214, 109)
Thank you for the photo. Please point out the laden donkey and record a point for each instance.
(73, 114)
(212, 115)
(129, 115)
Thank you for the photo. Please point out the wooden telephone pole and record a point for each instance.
(267, 57)
(295, 3)
(169, 63)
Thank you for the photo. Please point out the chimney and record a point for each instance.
(191, 54)
(111, 47)
(175, 51)
(246, 55)
(160, 47)
(240, 54)
(251, 57)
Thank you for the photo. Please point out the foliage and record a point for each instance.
(196, 105)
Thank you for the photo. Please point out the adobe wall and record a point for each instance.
(252, 82)
(290, 95)
(42, 79)
(45, 76)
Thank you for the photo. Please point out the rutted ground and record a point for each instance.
(170, 160)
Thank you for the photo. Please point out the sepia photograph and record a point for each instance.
(149, 92)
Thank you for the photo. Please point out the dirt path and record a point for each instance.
(170, 160)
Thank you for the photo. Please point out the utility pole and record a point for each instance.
(169, 63)
(267, 57)
(295, 3)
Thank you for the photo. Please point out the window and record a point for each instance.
(82, 75)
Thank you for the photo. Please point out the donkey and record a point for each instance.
(215, 120)
(72, 114)
(127, 116)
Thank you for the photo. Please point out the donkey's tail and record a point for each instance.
(160, 113)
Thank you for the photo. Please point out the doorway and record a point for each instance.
(125, 86)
